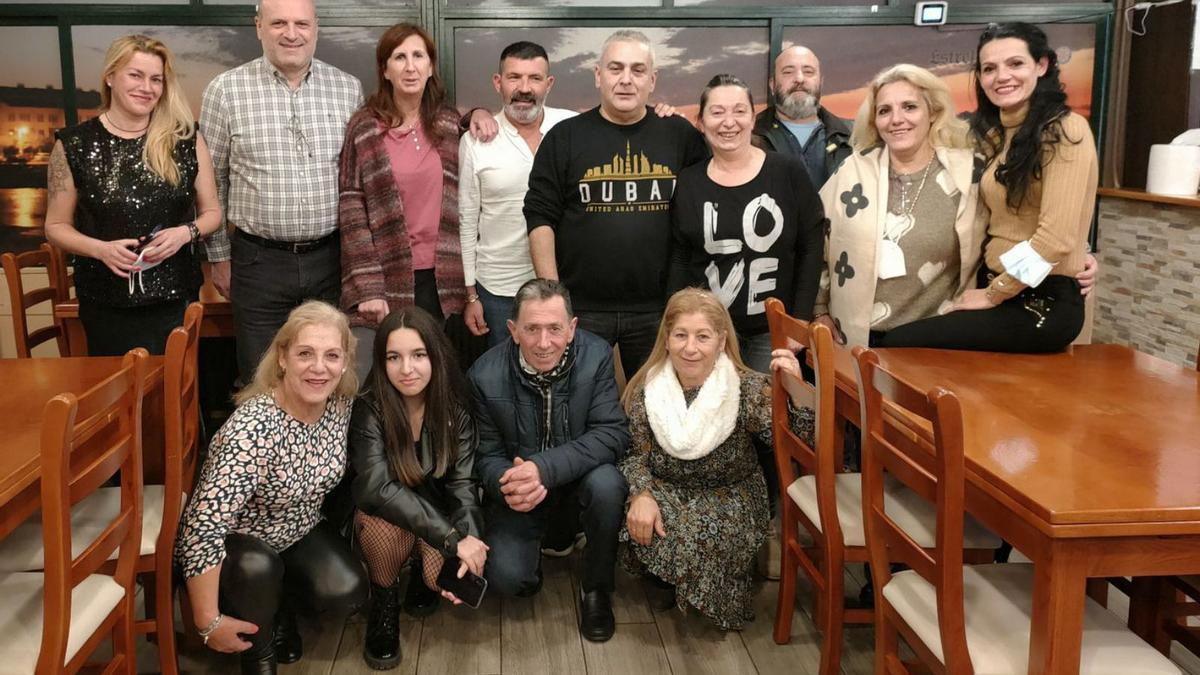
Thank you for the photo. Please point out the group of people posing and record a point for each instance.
(346, 232)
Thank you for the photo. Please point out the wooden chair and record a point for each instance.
(23, 300)
(62, 279)
(828, 504)
(163, 504)
(957, 618)
(182, 420)
(56, 618)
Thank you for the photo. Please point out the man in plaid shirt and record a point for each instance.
(274, 127)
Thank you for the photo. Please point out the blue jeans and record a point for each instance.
(497, 310)
(632, 332)
(516, 538)
(756, 351)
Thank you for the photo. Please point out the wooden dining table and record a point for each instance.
(1087, 461)
(28, 385)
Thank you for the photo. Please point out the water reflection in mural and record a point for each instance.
(30, 112)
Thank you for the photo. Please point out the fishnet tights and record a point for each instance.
(386, 548)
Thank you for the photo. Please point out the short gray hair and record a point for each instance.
(541, 289)
(627, 35)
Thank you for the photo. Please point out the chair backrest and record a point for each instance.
(181, 415)
(916, 437)
(86, 440)
(23, 300)
(60, 278)
(821, 461)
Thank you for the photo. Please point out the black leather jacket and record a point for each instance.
(587, 426)
(439, 510)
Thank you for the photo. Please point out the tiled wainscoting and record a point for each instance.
(1149, 287)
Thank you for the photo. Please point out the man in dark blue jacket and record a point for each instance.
(551, 431)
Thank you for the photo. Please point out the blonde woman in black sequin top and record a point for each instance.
(129, 194)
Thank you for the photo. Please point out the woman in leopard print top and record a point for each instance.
(253, 546)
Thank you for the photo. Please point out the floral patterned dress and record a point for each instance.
(714, 508)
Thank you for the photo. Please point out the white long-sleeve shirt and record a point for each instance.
(493, 178)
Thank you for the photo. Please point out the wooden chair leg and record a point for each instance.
(191, 637)
(1148, 598)
(820, 590)
(886, 643)
(149, 598)
(168, 659)
(786, 604)
(1097, 589)
(123, 645)
(832, 616)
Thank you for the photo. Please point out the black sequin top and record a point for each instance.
(119, 197)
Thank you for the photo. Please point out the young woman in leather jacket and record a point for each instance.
(412, 447)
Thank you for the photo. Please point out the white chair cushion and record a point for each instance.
(998, 601)
(21, 616)
(911, 512)
(21, 551)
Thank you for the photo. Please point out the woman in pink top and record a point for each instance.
(398, 191)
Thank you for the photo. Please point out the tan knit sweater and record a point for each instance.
(1057, 209)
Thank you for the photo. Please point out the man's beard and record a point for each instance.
(797, 105)
(524, 115)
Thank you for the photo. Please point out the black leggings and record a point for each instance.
(112, 331)
(317, 574)
(1036, 320)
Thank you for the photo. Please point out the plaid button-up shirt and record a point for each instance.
(275, 150)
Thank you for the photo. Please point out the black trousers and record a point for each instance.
(515, 538)
(112, 331)
(267, 283)
(318, 574)
(1036, 320)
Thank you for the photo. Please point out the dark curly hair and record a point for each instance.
(1033, 142)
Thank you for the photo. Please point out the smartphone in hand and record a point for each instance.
(145, 239)
(470, 588)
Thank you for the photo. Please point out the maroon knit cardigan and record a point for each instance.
(376, 255)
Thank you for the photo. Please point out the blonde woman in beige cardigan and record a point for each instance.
(907, 228)
(1038, 187)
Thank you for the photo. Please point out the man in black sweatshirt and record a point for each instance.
(598, 205)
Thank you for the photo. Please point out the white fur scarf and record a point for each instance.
(691, 432)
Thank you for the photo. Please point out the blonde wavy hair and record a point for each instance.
(946, 129)
(685, 301)
(171, 121)
(269, 375)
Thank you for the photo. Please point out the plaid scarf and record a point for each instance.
(544, 383)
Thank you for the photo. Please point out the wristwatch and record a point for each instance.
(193, 230)
(474, 297)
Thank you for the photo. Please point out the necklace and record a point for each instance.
(906, 208)
(122, 129)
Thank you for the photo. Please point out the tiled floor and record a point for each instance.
(539, 635)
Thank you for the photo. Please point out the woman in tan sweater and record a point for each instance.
(1039, 184)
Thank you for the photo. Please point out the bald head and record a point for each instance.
(797, 54)
(796, 84)
(288, 32)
